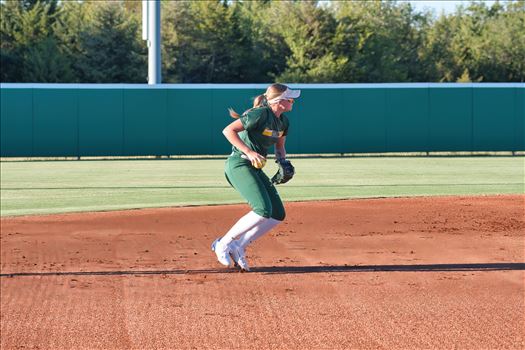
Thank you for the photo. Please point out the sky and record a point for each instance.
(444, 5)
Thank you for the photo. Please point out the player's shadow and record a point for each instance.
(293, 270)
(391, 268)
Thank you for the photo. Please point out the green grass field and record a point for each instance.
(41, 187)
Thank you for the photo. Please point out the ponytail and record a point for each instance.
(233, 114)
(257, 102)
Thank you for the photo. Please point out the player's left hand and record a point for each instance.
(285, 172)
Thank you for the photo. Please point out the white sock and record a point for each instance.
(257, 232)
(245, 224)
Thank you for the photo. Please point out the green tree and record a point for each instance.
(133, 7)
(111, 50)
(478, 43)
(308, 30)
(381, 41)
(69, 27)
(236, 41)
(220, 42)
(436, 50)
(500, 45)
(10, 68)
(202, 42)
(29, 4)
(29, 49)
(45, 62)
(264, 46)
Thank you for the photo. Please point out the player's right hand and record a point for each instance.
(257, 160)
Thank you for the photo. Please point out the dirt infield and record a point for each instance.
(404, 273)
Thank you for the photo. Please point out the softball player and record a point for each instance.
(251, 135)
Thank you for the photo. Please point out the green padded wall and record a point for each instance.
(407, 120)
(316, 120)
(189, 119)
(16, 109)
(134, 120)
(55, 122)
(450, 119)
(519, 120)
(100, 121)
(145, 122)
(493, 119)
(363, 120)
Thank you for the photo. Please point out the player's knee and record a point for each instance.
(263, 210)
(279, 215)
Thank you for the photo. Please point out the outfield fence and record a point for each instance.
(83, 120)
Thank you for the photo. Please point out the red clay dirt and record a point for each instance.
(403, 273)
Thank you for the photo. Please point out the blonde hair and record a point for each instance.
(272, 91)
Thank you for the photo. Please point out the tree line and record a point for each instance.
(233, 41)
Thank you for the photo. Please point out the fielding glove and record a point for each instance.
(285, 172)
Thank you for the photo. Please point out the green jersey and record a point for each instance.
(262, 129)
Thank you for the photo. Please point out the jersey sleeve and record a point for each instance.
(253, 119)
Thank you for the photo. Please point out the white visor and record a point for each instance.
(287, 94)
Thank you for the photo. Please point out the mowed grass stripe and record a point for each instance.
(65, 186)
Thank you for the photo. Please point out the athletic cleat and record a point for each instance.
(222, 252)
(234, 262)
(238, 255)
